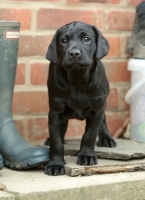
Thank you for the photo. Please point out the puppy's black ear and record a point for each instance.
(102, 44)
(52, 49)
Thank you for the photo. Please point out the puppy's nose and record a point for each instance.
(74, 53)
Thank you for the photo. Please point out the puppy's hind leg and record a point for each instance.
(104, 137)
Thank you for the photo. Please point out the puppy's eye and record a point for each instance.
(64, 41)
(86, 39)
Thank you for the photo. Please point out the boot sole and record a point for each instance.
(1, 166)
(27, 164)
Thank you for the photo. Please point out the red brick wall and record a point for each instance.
(39, 20)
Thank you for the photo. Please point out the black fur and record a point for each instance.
(78, 88)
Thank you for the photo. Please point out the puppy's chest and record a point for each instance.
(79, 106)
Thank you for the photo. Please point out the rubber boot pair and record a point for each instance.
(16, 152)
(136, 44)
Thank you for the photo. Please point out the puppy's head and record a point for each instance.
(77, 45)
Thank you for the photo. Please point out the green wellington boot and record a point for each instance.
(16, 152)
(1, 162)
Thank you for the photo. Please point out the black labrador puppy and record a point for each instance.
(78, 89)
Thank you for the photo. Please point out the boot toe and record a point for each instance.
(28, 159)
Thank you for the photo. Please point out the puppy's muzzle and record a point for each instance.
(74, 53)
(74, 60)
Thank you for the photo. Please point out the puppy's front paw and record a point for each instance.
(106, 142)
(54, 171)
(87, 160)
(55, 168)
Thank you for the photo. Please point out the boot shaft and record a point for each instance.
(9, 40)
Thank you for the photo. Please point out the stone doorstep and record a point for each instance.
(125, 157)
(30, 184)
(125, 149)
(6, 196)
(104, 181)
(104, 166)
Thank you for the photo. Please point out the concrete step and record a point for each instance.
(34, 184)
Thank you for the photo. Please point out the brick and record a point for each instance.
(124, 105)
(134, 2)
(73, 1)
(20, 127)
(38, 0)
(30, 102)
(55, 18)
(113, 99)
(115, 121)
(20, 75)
(34, 45)
(117, 71)
(115, 46)
(39, 73)
(126, 42)
(22, 15)
(75, 128)
(37, 129)
(101, 1)
(94, 1)
(99, 19)
(120, 20)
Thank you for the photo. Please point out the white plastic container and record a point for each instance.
(136, 97)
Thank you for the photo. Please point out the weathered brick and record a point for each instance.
(55, 18)
(126, 45)
(124, 105)
(120, 20)
(117, 71)
(20, 74)
(134, 2)
(37, 129)
(115, 46)
(30, 102)
(20, 127)
(75, 128)
(115, 121)
(73, 1)
(22, 15)
(99, 19)
(38, 0)
(34, 45)
(36, 102)
(94, 1)
(39, 73)
(113, 99)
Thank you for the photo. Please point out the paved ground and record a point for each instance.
(27, 185)
(125, 150)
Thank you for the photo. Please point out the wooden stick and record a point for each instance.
(122, 129)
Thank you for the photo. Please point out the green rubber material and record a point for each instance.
(16, 152)
(1, 162)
